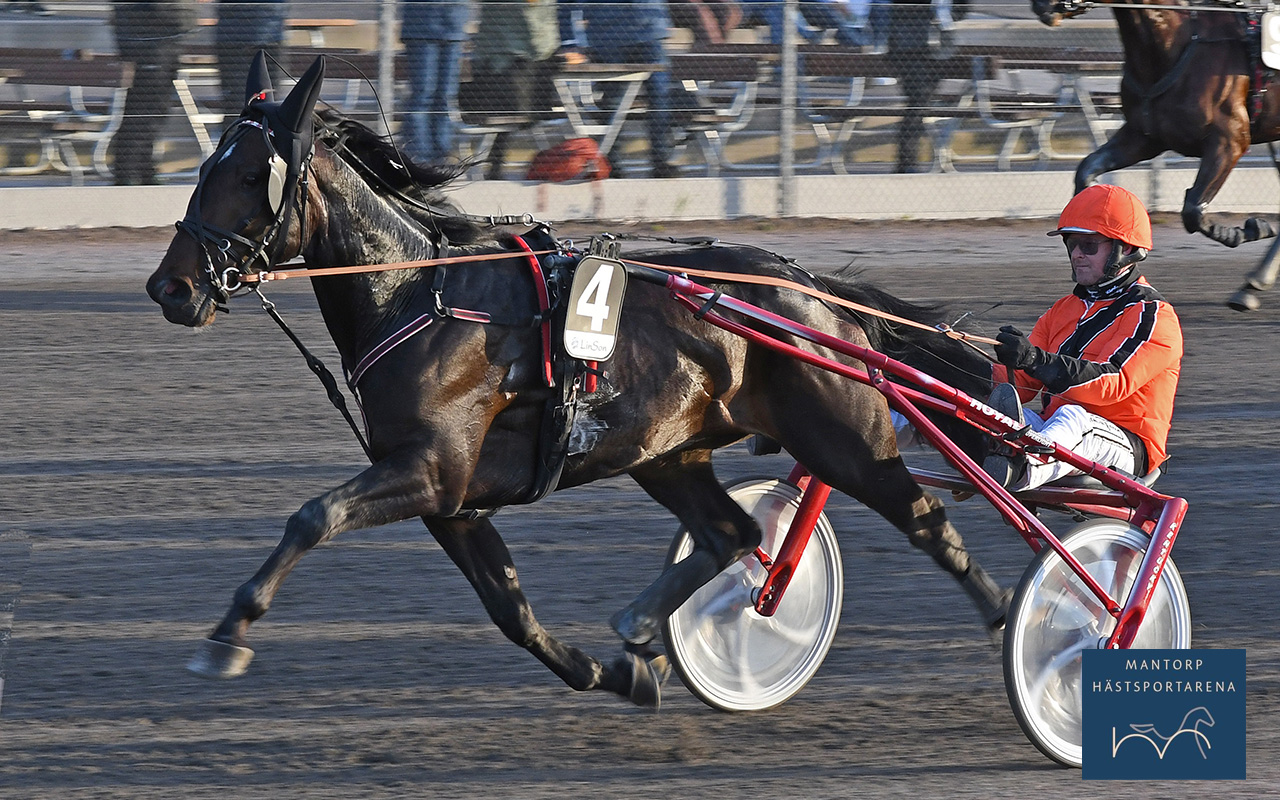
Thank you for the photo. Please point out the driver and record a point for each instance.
(1103, 362)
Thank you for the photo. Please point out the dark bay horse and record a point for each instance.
(1192, 84)
(452, 413)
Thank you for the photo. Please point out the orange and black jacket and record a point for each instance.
(1117, 356)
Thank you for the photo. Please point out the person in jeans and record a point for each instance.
(513, 65)
(245, 27)
(151, 34)
(629, 32)
(433, 32)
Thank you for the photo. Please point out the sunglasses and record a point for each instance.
(1087, 246)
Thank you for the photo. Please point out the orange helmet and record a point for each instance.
(1108, 210)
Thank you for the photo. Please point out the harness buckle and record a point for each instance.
(606, 245)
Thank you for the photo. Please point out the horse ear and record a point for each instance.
(295, 111)
(259, 83)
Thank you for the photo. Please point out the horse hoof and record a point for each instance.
(1244, 300)
(217, 659)
(647, 677)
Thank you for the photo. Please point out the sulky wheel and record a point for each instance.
(1053, 618)
(729, 655)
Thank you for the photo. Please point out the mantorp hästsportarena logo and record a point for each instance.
(1159, 714)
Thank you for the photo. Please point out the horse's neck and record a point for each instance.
(349, 224)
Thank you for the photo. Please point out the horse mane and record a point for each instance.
(392, 174)
(943, 357)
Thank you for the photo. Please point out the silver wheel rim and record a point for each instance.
(730, 656)
(1054, 619)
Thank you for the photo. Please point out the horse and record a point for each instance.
(453, 413)
(1193, 84)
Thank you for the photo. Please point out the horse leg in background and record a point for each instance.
(479, 551)
(1258, 281)
(393, 489)
(1218, 158)
(1125, 148)
(721, 531)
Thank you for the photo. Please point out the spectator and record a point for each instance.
(513, 65)
(149, 33)
(244, 28)
(629, 32)
(433, 32)
(711, 21)
(916, 39)
(818, 16)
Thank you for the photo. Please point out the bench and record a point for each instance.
(724, 89)
(197, 85)
(1012, 90)
(59, 103)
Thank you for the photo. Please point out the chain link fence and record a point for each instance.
(695, 109)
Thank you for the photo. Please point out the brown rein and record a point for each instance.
(727, 277)
(764, 280)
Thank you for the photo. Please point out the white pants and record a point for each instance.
(1085, 434)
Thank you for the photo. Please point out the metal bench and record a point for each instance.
(58, 103)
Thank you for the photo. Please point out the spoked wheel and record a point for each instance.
(729, 655)
(1053, 619)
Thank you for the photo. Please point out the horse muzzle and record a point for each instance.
(181, 302)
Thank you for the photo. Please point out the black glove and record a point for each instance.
(1015, 351)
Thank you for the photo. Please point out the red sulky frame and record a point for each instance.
(1124, 498)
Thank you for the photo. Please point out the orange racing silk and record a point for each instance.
(1117, 357)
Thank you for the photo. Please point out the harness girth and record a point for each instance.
(558, 371)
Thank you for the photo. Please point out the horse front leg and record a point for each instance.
(1124, 149)
(478, 550)
(397, 488)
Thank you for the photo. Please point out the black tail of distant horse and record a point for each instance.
(451, 372)
(1190, 86)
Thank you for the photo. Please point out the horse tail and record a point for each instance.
(942, 356)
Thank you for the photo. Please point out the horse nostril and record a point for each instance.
(169, 291)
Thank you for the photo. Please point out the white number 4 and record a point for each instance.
(594, 302)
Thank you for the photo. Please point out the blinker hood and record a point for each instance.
(288, 121)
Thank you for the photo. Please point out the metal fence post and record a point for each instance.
(387, 61)
(787, 108)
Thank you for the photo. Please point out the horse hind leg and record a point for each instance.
(1258, 281)
(927, 527)
(882, 483)
(478, 550)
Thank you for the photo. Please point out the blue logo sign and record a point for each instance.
(1162, 714)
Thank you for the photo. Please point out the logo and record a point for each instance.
(1162, 714)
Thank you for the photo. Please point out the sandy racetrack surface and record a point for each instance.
(152, 470)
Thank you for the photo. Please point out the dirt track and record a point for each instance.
(152, 470)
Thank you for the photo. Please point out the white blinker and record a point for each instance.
(275, 182)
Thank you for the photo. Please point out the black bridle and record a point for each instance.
(217, 243)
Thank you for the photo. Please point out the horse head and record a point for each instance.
(1052, 12)
(249, 192)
